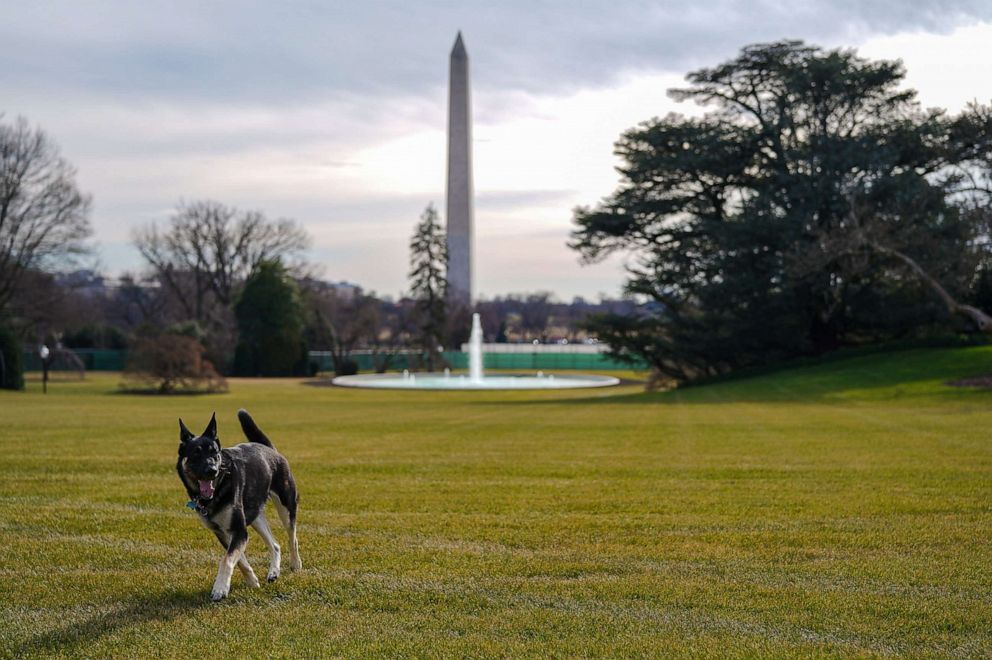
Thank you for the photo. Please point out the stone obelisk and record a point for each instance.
(459, 204)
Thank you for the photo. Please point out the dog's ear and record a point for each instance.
(211, 430)
(184, 433)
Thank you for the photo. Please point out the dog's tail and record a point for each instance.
(252, 432)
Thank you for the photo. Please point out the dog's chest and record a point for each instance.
(220, 518)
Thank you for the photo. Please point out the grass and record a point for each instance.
(839, 509)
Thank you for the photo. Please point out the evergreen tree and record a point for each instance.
(740, 218)
(270, 325)
(428, 282)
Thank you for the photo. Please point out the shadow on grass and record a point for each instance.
(161, 607)
(151, 392)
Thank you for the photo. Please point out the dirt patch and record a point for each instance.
(981, 382)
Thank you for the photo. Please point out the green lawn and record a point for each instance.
(830, 510)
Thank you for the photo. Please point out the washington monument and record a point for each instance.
(459, 210)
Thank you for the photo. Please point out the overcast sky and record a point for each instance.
(333, 113)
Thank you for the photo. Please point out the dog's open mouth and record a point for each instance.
(206, 489)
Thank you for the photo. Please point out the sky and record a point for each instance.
(333, 113)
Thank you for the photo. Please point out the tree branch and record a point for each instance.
(982, 320)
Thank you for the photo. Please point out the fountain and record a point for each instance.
(477, 379)
(475, 351)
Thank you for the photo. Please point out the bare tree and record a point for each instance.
(534, 314)
(43, 307)
(43, 216)
(341, 322)
(209, 249)
(137, 300)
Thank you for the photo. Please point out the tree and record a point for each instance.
(340, 322)
(732, 214)
(209, 249)
(535, 311)
(204, 255)
(879, 236)
(11, 360)
(270, 325)
(428, 282)
(44, 217)
(867, 242)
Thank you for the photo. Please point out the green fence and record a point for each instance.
(94, 359)
(536, 361)
(108, 360)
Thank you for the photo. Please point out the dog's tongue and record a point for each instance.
(206, 489)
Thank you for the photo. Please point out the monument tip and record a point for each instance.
(458, 50)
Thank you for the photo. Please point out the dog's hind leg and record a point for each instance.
(235, 553)
(284, 497)
(261, 526)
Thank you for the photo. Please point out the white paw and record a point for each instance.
(295, 564)
(273, 575)
(219, 594)
(252, 581)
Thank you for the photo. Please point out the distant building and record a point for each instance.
(87, 283)
(341, 289)
(344, 289)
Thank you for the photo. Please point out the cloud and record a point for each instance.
(334, 113)
(499, 200)
(278, 54)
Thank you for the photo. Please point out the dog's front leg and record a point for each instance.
(243, 564)
(235, 549)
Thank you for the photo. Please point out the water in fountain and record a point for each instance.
(475, 351)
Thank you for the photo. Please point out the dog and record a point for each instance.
(228, 489)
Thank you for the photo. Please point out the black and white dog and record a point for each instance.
(228, 489)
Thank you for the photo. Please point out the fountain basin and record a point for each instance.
(476, 378)
(440, 381)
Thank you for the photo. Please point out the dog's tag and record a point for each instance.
(191, 505)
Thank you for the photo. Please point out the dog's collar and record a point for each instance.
(198, 506)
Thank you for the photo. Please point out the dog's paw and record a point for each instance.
(252, 581)
(295, 564)
(219, 594)
(273, 576)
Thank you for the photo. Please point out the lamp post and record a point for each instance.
(45, 354)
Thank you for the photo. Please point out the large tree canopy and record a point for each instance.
(757, 225)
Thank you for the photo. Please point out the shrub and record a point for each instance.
(171, 363)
